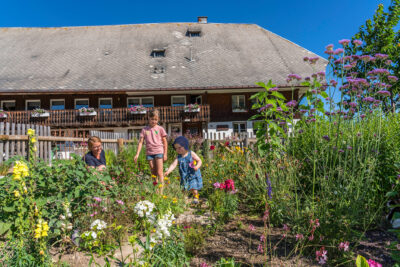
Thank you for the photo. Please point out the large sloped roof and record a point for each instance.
(119, 57)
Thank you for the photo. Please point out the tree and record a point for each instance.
(379, 36)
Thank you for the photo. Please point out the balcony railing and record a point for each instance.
(107, 117)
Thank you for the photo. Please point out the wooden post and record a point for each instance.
(246, 146)
(120, 142)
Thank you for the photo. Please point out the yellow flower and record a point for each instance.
(164, 196)
(16, 193)
(196, 196)
(41, 229)
(174, 200)
(20, 170)
(31, 132)
(173, 222)
(206, 164)
(153, 176)
(25, 190)
(41, 252)
(33, 140)
(36, 211)
(154, 230)
(177, 178)
(34, 149)
(160, 185)
(194, 162)
(166, 178)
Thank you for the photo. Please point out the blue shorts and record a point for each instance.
(155, 156)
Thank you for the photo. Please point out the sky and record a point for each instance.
(311, 24)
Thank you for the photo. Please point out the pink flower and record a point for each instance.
(311, 237)
(321, 255)
(373, 263)
(122, 211)
(344, 246)
(192, 165)
(120, 202)
(260, 248)
(251, 227)
(229, 185)
(299, 237)
(98, 199)
(217, 185)
(357, 42)
(262, 238)
(344, 42)
(286, 228)
(212, 147)
(203, 264)
(329, 47)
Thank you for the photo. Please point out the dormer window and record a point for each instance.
(158, 53)
(193, 32)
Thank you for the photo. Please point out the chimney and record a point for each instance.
(202, 20)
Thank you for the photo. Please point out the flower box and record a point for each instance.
(3, 114)
(87, 112)
(239, 110)
(140, 109)
(192, 108)
(40, 115)
(83, 114)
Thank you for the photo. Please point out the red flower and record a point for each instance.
(229, 185)
(212, 147)
(155, 183)
(227, 143)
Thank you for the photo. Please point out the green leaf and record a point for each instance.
(4, 227)
(324, 94)
(9, 209)
(361, 261)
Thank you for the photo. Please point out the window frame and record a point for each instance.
(140, 100)
(105, 98)
(79, 99)
(239, 128)
(8, 101)
(244, 109)
(175, 96)
(32, 100)
(59, 99)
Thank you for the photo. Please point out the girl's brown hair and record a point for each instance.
(92, 140)
(154, 113)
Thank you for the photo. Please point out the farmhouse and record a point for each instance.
(114, 69)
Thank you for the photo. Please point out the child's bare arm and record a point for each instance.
(198, 161)
(140, 144)
(171, 167)
(165, 144)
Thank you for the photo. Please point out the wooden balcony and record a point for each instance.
(115, 117)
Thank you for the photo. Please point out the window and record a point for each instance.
(239, 127)
(32, 104)
(158, 53)
(238, 103)
(81, 103)
(8, 105)
(195, 99)
(105, 102)
(145, 101)
(178, 101)
(194, 32)
(57, 104)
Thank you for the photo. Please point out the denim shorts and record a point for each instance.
(155, 156)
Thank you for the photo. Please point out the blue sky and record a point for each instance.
(310, 23)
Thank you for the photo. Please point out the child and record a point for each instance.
(156, 146)
(189, 167)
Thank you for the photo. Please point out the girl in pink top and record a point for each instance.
(156, 146)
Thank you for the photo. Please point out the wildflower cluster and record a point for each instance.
(228, 185)
(41, 229)
(20, 170)
(163, 224)
(139, 108)
(144, 208)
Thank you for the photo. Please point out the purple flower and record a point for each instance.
(274, 89)
(384, 93)
(329, 47)
(326, 138)
(366, 58)
(260, 248)
(269, 187)
(362, 116)
(278, 109)
(347, 67)
(381, 56)
(251, 227)
(369, 99)
(379, 71)
(333, 83)
(305, 59)
(217, 185)
(294, 76)
(344, 42)
(321, 73)
(338, 51)
(392, 78)
(357, 42)
(349, 148)
(313, 60)
(353, 104)
(292, 103)
(341, 150)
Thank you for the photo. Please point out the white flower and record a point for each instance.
(69, 214)
(98, 225)
(62, 217)
(94, 235)
(69, 227)
(62, 225)
(87, 233)
(144, 208)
